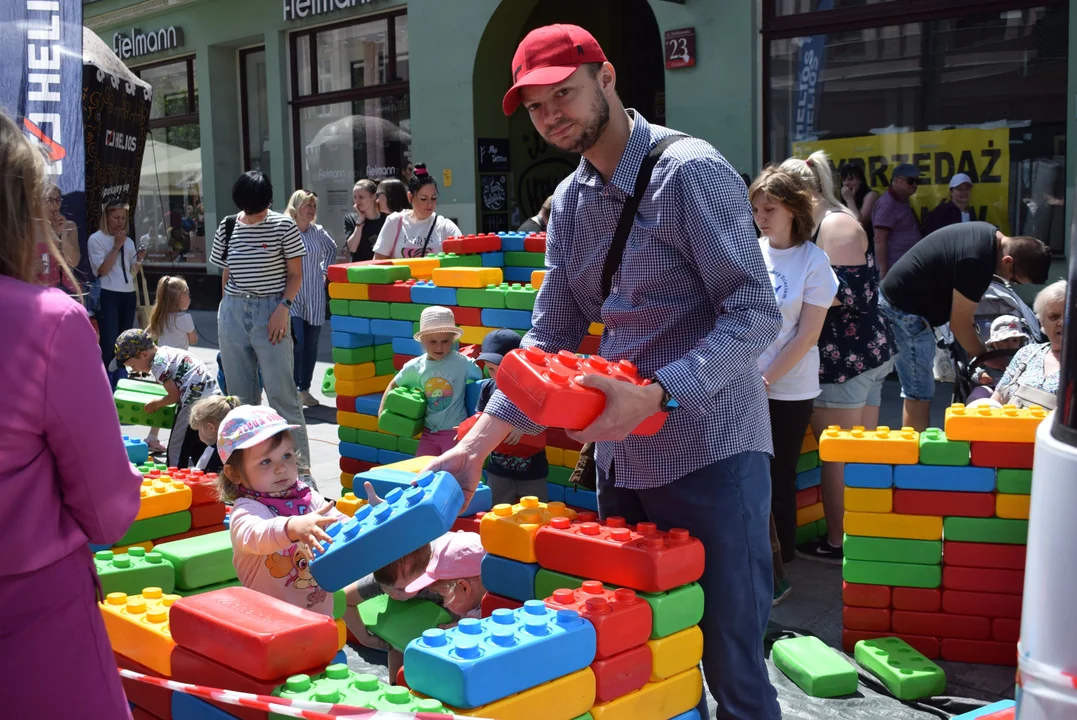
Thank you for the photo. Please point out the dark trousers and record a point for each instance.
(788, 422)
(115, 314)
(727, 506)
(306, 351)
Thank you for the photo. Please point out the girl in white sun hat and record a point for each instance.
(441, 373)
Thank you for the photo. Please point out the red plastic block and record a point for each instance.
(256, 634)
(558, 438)
(353, 466)
(400, 360)
(468, 524)
(865, 596)
(1007, 714)
(1009, 582)
(589, 345)
(467, 316)
(982, 603)
(935, 502)
(623, 673)
(988, 652)
(537, 243)
(917, 599)
(640, 557)
(807, 496)
(201, 484)
(206, 515)
(400, 677)
(941, 625)
(398, 292)
(1007, 630)
(983, 555)
(492, 601)
(929, 646)
(622, 620)
(542, 385)
(150, 697)
(138, 713)
(1003, 455)
(871, 619)
(471, 244)
(339, 272)
(528, 445)
(346, 403)
(191, 533)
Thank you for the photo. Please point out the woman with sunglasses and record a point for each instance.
(66, 235)
(361, 228)
(420, 231)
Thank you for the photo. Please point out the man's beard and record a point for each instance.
(592, 131)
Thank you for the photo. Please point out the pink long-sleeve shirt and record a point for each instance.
(64, 472)
(265, 558)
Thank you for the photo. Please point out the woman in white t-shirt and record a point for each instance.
(417, 232)
(804, 288)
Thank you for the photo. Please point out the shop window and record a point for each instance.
(797, 7)
(255, 110)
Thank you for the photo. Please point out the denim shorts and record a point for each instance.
(914, 339)
(856, 392)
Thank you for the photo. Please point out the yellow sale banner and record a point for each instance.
(983, 155)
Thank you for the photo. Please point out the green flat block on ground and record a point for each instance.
(329, 383)
(398, 623)
(408, 446)
(893, 550)
(449, 260)
(406, 311)
(338, 306)
(399, 425)
(935, 449)
(342, 686)
(905, 672)
(815, 668)
(378, 274)
(345, 434)
(406, 402)
(200, 561)
(807, 461)
(383, 352)
(985, 530)
(1015, 482)
(156, 527)
(525, 259)
(375, 439)
(208, 588)
(384, 367)
(521, 297)
(353, 356)
(131, 407)
(491, 296)
(809, 532)
(560, 475)
(891, 573)
(131, 572)
(368, 309)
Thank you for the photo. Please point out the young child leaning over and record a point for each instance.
(206, 417)
(170, 325)
(442, 374)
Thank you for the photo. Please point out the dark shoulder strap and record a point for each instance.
(628, 212)
(229, 228)
(428, 234)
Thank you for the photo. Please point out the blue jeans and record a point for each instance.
(243, 335)
(115, 314)
(914, 339)
(727, 506)
(306, 351)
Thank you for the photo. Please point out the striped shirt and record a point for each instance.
(258, 254)
(691, 303)
(321, 253)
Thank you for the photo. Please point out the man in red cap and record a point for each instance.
(680, 284)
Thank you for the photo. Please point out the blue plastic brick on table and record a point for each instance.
(692, 714)
(581, 498)
(383, 480)
(378, 535)
(480, 661)
(346, 324)
(407, 346)
(518, 274)
(341, 658)
(349, 340)
(388, 457)
(809, 478)
(515, 319)
(868, 475)
(986, 710)
(425, 292)
(940, 477)
(189, 707)
(368, 404)
(509, 578)
(358, 452)
(512, 242)
(138, 451)
(555, 492)
(493, 259)
(106, 546)
(395, 328)
(471, 398)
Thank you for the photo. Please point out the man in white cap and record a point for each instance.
(957, 209)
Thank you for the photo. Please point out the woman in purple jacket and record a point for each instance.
(64, 473)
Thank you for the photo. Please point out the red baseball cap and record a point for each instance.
(547, 56)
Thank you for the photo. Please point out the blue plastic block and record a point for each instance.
(493, 259)
(368, 404)
(986, 710)
(395, 328)
(228, 520)
(189, 707)
(517, 319)
(106, 546)
(383, 339)
(809, 478)
(555, 492)
(388, 457)
(384, 480)
(407, 346)
(378, 535)
(518, 274)
(512, 242)
(581, 499)
(341, 658)
(346, 324)
(940, 477)
(349, 340)
(358, 452)
(480, 661)
(692, 714)
(865, 475)
(471, 398)
(426, 292)
(138, 451)
(509, 578)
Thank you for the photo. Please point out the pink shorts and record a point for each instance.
(436, 443)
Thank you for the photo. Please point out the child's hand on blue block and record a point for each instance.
(307, 529)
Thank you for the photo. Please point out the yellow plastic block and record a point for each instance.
(350, 504)
(346, 480)
(163, 496)
(362, 371)
(473, 334)
(565, 698)
(349, 291)
(809, 443)
(537, 276)
(655, 700)
(872, 500)
(342, 634)
(571, 458)
(988, 424)
(892, 525)
(885, 446)
(809, 514)
(355, 388)
(467, 277)
(357, 420)
(509, 530)
(415, 464)
(596, 329)
(555, 456)
(421, 268)
(673, 654)
(137, 627)
(1014, 507)
(122, 549)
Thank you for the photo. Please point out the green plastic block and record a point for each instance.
(342, 686)
(891, 573)
(807, 461)
(560, 475)
(353, 356)
(383, 352)
(201, 560)
(905, 672)
(893, 550)
(406, 402)
(491, 296)
(585, 716)
(398, 623)
(378, 274)
(130, 572)
(131, 409)
(142, 386)
(156, 527)
(375, 439)
(525, 259)
(329, 383)
(449, 260)
(1015, 482)
(338, 306)
(340, 604)
(408, 446)
(985, 530)
(368, 309)
(816, 668)
(208, 588)
(406, 311)
(935, 449)
(521, 297)
(399, 425)
(345, 434)
(384, 367)
(806, 533)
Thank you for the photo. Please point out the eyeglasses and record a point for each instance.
(54, 200)
(911, 181)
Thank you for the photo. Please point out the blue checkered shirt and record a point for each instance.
(691, 303)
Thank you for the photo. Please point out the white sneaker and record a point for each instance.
(308, 399)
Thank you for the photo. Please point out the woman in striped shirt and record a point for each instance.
(308, 311)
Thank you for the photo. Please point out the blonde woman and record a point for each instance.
(66, 234)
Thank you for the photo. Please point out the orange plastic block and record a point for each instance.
(1006, 424)
(880, 446)
(357, 420)
(364, 387)
(349, 291)
(350, 504)
(596, 329)
(673, 654)
(121, 549)
(555, 455)
(622, 619)
(1012, 506)
(570, 458)
(565, 698)
(664, 699)
(342, 634)
(537, 276)
(362, 371)
(138, 627)
(809, 443)
(809, 514)
(163, 497)
(421, 268)
(892, 525)
(640, 557)
(509, 530)
(622, 673)
(467, 277)
(880, 500)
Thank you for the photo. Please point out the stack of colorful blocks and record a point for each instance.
(562, 453)
(810, 521)
(935, 532)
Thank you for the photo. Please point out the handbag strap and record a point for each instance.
(628, 212)
(396, 237)
(428, 234)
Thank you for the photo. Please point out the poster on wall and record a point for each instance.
(495, 190)
(493, 154)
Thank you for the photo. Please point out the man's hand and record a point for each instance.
(627, 405)
(278, 324)
(462, 465)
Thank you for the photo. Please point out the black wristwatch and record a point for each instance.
(668, 401)
(286, 303)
